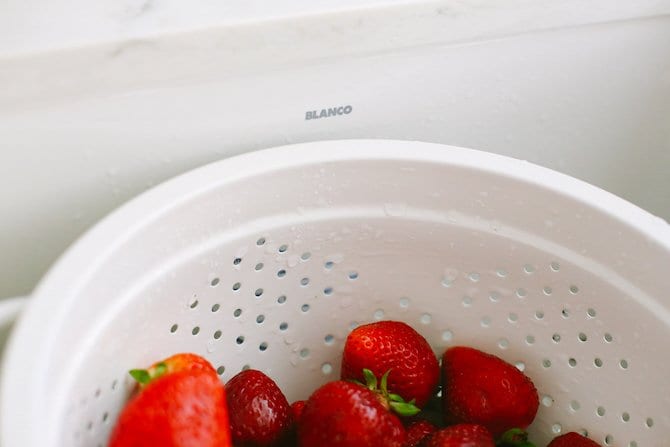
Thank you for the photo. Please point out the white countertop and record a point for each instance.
(30, 26)
(35, 25)
(103, 99)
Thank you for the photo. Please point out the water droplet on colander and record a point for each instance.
(395, 209)
(211, 346)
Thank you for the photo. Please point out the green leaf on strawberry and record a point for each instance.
(140, 375)
(404, 408)
(396, 397)
(514, 437)
(144, 376)
(392, 401)
(370, 379)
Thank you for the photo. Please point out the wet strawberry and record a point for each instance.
(572, 439)
(479, 388)
(461, 435)
(346, 414)
(418, 431)
(180, 404)
(260, 415)
(395, 347)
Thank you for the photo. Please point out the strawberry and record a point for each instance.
(174, 363)
(260, 415)
(417, 431)
(462, 435)
(296, 409)
(396, 347)
(480, 388)
(296, 413)
(180, 407)
(346, 414)
(572, 439)
(291, 440)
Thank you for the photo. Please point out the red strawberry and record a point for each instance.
(172, 364)
(572, 439)
(346, 414)
(417, 431)
(296, 409)
(480, 388)
(291, 439)
(185, 408)
(260, 415)
(296, 413)
(462, 435)
(396, 347)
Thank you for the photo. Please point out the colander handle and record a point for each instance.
(10, 308)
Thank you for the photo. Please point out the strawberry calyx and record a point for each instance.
(146, 376)
(514, 437)
(391, 401)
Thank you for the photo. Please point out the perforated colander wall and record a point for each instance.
(283, 301)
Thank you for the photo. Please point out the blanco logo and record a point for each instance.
(327, 113)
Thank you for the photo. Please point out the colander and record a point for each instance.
(269, 259)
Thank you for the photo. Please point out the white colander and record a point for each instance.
(268, 260)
